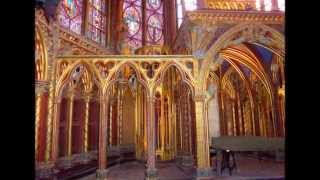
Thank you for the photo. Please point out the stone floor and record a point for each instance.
(248, 168)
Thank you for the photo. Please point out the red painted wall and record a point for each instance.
(78, 125)
(62, 128)
(94, 115)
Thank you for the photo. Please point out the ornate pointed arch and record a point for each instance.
(66, 76)
(111, 80)
(245, 80)
(233, 55)
(225, 83)
(213, 76)
(41, 57)
(256, 33)
(185, 75)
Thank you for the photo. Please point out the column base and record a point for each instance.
(205, 173)
(187, 161)
(101, 174)
(45, 171)
(84, 158)
(65, 162)
(151, 174)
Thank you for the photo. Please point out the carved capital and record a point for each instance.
(41, 87)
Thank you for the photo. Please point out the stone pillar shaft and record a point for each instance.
(70, 119)
(151, 172)
(201, 137)
(37, 123)
(151, 133)
(203, 158)
(102, 134)
(55, 130)
(86, 124)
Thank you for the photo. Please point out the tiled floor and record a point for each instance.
(248, 168)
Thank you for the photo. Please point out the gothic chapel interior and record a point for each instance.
(159, 89)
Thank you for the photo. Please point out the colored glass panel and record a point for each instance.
(70, 15)
(154, 22)
(97, 21)
(281, 4)
(132, 16)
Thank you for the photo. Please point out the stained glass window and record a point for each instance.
(154, 22)
(281, 4)
(97, 21)
(179, 12)
(267, 5)
(70, 15)
(258, 5)
(184, 5)
(190, 5)
(132, 15)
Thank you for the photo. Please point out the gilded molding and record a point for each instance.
(236, 16)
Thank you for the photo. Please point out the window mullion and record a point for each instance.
(144, 23)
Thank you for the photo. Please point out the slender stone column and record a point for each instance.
(151, 173)
(102, 171)
(46, 170)
(70, 119)
(55, 145)
(86, 124)
(203, 159)
(52, 66)
(40, 91)
(37, 123)
(110, 122)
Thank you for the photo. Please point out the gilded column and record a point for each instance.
(110, 122)
(203, 168)
(240, 117)
(151, 173)
(137, 128)
(52, 129)
(55, 128)
(162, 121)
(121, 115)
(234, 117)
(86, 123)
(180, 125)
(102, 161)
(37, 123)
(190, 124)
(70, 119)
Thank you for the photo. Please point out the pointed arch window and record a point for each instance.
(183, 6)
(138, 13)
(154, 22)
(268, 5)
(70, 15)
(281, 4)
(96, 30)
(132, 15)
